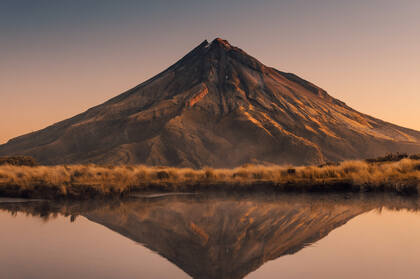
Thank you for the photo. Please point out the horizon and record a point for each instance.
(61, 59)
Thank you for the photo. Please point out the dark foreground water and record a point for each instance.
(212, 236)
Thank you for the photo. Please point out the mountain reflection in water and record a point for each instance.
(220, 236)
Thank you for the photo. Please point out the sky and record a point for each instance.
(59, 58)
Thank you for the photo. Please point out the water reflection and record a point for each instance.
(220, 236)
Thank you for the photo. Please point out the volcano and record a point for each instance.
(217, 107)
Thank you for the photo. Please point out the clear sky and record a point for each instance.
(59, 58)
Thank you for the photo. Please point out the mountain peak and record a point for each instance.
(217, 42)
(222, 43)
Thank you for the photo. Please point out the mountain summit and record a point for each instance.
(219, 107)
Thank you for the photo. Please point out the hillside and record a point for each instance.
(218, 107)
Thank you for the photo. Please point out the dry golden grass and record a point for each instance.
(84, 181)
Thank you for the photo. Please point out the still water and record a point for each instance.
(212, 236)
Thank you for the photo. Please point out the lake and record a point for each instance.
(212, 236)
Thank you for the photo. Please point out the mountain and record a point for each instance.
(218, 107)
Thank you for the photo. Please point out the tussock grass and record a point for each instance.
(86, 181)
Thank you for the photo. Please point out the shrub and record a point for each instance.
(415, 157)
(18, 161)
(390, 157)
(209, 173)
(162, 175)
(328, 164)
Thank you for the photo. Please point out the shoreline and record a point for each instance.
(85, 192)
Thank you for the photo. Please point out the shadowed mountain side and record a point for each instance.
(221, 236)
(216, 107)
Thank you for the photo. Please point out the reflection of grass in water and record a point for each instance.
(48, 209)
(80, 181)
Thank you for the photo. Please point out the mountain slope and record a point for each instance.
(218, 107)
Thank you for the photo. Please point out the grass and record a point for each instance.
(89, 181)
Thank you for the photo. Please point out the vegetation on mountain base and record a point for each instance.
(18, 161)
(88, 181)
(393, 157)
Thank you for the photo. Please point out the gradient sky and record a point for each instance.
(59, 58)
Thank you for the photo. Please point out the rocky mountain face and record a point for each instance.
(218, 107)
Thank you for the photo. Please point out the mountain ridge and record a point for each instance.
(217, 106)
